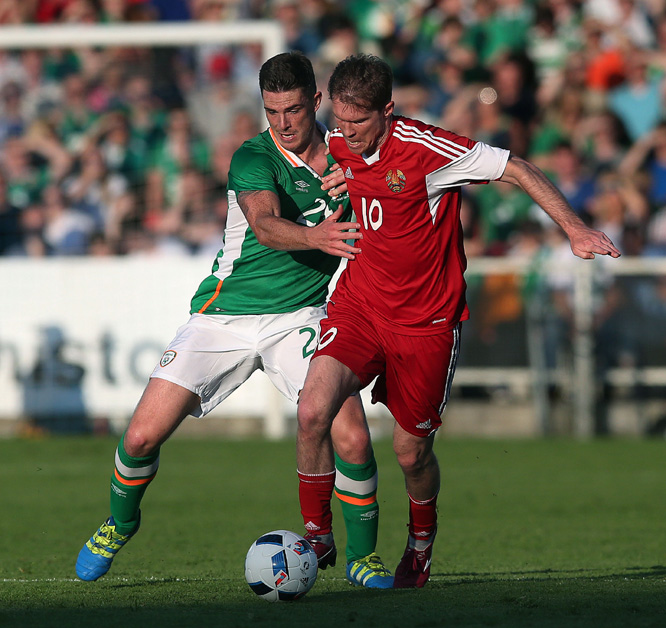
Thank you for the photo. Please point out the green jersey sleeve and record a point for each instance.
(252, 169)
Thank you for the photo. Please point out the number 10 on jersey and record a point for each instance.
(372, 215)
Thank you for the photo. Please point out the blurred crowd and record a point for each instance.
(123, 151)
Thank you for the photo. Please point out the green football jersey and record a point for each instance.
(249, 278)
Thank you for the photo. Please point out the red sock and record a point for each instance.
(422, 517)
(314, 492)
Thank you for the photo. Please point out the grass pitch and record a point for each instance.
(532, 534)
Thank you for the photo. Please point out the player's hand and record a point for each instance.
(335, 182)
(585, 242)
(331, 236)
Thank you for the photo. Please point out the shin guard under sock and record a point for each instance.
(129, 481)
(356, 488)
(422, 519)
(314, 492)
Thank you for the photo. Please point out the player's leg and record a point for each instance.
(315, 458)
(416, 388)
(161, 409)
(196, 372)
(356, 488)
(347, 349)
(356, 478)
(327, 386)
(422, 480)
(285, 345)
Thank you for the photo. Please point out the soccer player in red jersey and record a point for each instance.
(396, 311)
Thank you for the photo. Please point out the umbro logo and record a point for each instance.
(301, 186)
(118, 491)
(426, 425)
(348, 173)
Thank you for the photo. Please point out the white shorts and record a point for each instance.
(213, 355)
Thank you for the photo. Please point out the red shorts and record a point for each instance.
(414, 373)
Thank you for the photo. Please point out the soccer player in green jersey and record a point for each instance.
(260, 309)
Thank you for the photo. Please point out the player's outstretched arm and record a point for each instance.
(585, 241)
(262, 211)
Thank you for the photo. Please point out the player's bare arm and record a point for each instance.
(262, 211)
(585, 241)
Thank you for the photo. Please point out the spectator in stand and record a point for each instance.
(603, 58)
(66, 230)
(506, 29)
(546, 47)
(299, 34)
(24, 180)
(145, 117)
(647, 158)
(474, 112)
(446, 85)
(48, 11)
(444, 64)
(93, 189)
(31, 242)
(180, 150)
(107, 93)
(340, 39)
(77, 118)
(14, 12)
(624, 18)
(557, 122)
(617, 203)
(43, 95)
(514, 82)
(12, 121)
(10, 221)
(192, 222)
(639, 100)
(79, 12)
(122, 155)
(502, 208)
(602, 140)
(172, 10)
(570, 176)
(214, 106)
(30, 162)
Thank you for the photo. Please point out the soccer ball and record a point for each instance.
(281, 566)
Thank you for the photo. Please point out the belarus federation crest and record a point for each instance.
(396, 180)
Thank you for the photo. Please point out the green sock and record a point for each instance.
(129, 481)
(356, 488)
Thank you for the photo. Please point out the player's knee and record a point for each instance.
(138, 443)
(412, 461)
(312, 421)
(355, 449)
(351, 442)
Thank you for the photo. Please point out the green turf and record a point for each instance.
(532, 533)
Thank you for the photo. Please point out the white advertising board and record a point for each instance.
(85, 334)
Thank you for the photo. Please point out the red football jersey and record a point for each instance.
(407, 198)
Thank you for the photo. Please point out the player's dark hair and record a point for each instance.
(286, 72)
(364, 81)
